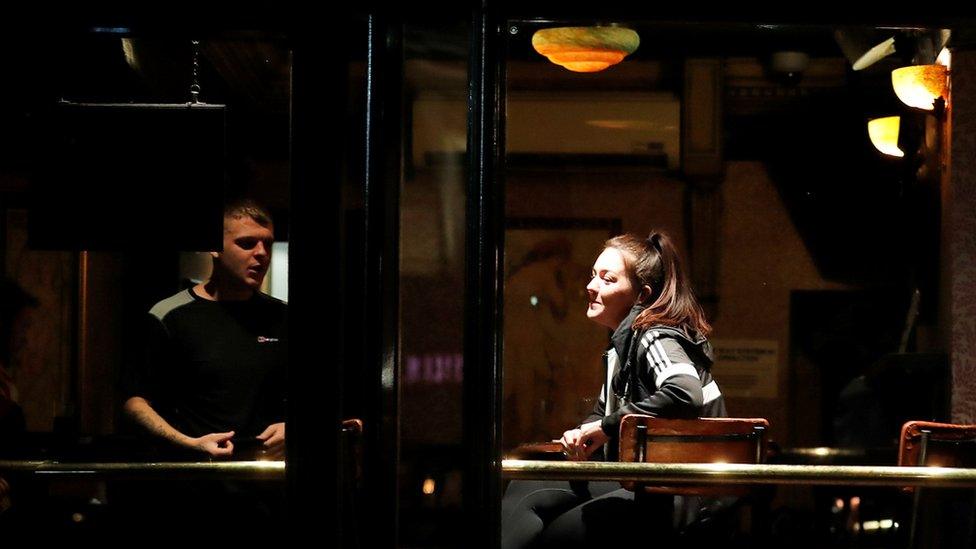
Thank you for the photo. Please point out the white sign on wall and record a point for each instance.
(747, 367)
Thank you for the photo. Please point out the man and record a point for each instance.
(213, 378)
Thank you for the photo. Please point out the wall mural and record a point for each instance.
(553, 366)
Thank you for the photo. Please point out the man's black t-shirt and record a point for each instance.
(214, 366)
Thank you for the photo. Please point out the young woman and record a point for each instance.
(657, 364)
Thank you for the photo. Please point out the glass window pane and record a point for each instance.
(432, 206)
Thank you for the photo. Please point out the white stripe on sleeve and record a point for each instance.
(610, 402)
(664, 354)
(678, 368)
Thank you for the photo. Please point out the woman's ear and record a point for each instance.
(644, 294)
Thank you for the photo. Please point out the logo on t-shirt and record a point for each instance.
(262, 339)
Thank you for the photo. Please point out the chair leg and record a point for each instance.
(971, 526)
(913, 525)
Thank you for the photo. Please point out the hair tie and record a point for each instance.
(655, 240)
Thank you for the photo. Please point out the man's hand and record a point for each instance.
(274, 441)
(215, 444)
(579, 444)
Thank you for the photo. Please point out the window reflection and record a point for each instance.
(72, 345)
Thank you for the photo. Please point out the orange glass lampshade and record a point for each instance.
(920, 85)
(585, 49)
(884, 135)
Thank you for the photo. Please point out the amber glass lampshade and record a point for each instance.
(884, 135)
(920, 85)
(585, 49)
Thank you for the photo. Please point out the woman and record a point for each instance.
(657, 364)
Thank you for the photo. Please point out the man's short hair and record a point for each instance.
(248, 207)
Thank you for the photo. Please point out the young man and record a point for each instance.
(213, 379)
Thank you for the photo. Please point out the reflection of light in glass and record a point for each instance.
(429, 486)
(884, 524)
(622, 124)
(839, 504)
(130, 53)
(821, 451)
(611, 124)
(278, 273)
(884, 135)
(534, 301)
(434, 368)
(945, 58)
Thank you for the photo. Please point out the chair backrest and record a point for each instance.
(925, 443)
(707, 440)
(939, 518)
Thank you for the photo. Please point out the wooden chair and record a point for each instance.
(929, 444)
(707, 440)
(645, 439)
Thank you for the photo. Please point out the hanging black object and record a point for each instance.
(126, 176)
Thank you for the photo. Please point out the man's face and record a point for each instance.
(247, 252)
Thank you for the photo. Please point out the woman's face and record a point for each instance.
(610, 292)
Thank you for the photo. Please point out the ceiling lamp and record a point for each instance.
(920, 86)
(585, 49)
(864, 47)
(884, 135)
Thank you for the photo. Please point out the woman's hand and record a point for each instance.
(579, 444)
(570, 442)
